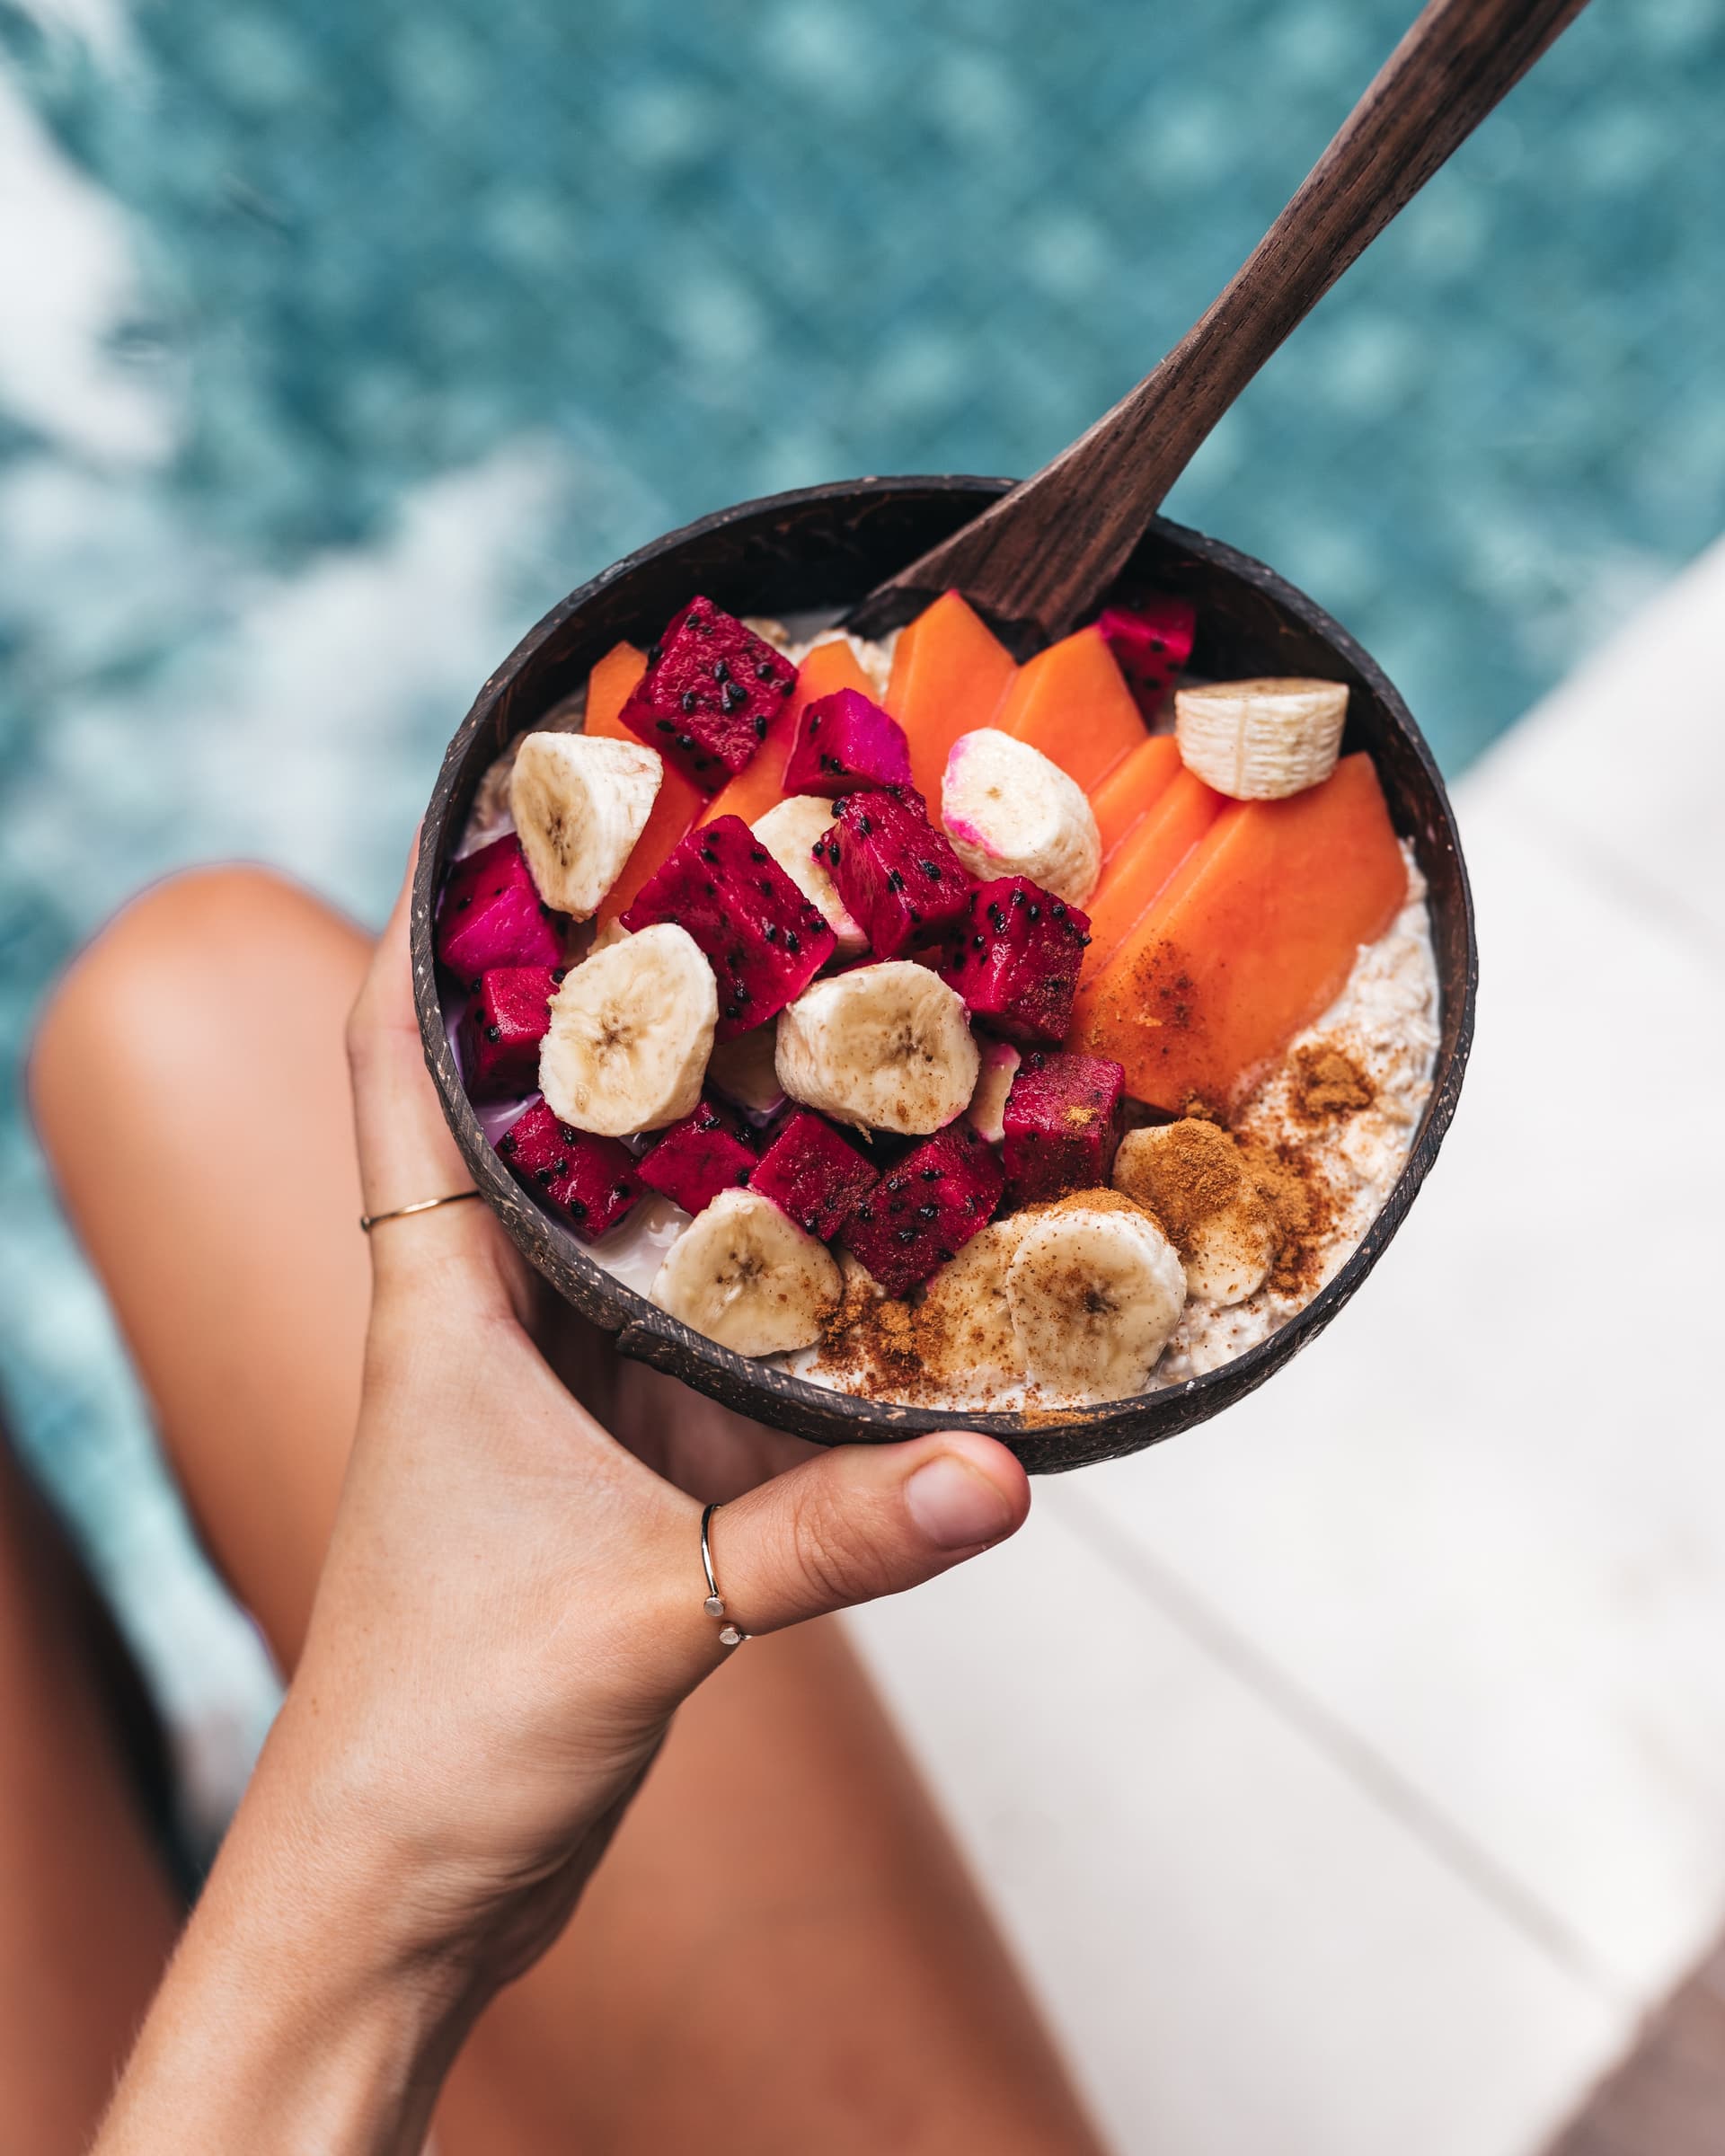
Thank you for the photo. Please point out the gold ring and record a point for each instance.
(369, 1221)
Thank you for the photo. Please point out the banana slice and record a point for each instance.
(861, 1291)
(886, 1047)
(748, 1277)
(1094, 1289)
(631, 1031)
(1261, 740)
(1194, 1178)
(789, 832)
(579, 802)
(490, 817)
(1009, 811)
(967, 1307)
(742, 1069)
(987, 1109)
(1229, 1255)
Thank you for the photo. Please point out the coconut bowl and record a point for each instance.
(822, 549)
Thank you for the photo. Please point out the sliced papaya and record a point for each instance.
(676, 805)
(1072, 702)
(608, 688)
(1133, 788)
(1253, 937)
(948, 674)
(1144, 860)
(759, 785)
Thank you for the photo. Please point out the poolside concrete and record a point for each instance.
(1352, 1772)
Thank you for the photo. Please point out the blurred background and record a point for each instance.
(339, 338)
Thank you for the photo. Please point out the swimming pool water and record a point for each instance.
(336, 342)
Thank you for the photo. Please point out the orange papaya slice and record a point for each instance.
(1133, 788)
(948, 674)
(759, 785)
(608, 689)
(1144, 860)
(1072, 702)
(676, 804)
(1252, 938)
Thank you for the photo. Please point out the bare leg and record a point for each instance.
(782, 1950)
(89, 1915)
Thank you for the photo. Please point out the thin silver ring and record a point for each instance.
(369, 1221)
(714, 1605)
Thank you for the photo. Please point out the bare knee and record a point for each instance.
(185, 958)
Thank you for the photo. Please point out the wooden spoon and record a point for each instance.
(1046, 552)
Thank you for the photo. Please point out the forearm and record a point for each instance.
(293, 2018)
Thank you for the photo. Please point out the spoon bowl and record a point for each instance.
(819, 550)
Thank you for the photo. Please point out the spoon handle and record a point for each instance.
(1047, 550)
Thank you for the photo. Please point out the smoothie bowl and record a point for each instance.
(884, 1037)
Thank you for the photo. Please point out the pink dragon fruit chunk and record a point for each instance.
(492, 916)
(698, 1158)
(589, 1182)
(925, 1208)
(709, 693)
(763, 939)
(1151, 642)
(845, 741)
(1063, 1125)
(817, 1177)
(898, 875)
(1015, 958)
(501, 1030)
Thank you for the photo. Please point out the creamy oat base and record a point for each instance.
(1383, 1026)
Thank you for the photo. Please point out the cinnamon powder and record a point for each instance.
(1326, 1083)
(880, 1342)
(920, 1349)
(1100, 1200)
(941, 1338)
(1304, 1206)
(1193, 1171)
(1198, 1169)
(924, 1349)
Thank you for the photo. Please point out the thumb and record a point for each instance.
(863, 1521)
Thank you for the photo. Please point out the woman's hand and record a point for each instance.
(510, 1611)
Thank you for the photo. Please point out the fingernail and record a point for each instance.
(955, 1504)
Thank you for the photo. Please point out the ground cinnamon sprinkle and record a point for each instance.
(915, 1350)
(939, 1341)
(1100, 1200)
(954, 1333)
(1304, 1206)
(859, 1296)
(1197, 1169)
(1325, 1083)
(1194, 1170)
(889, 1344)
